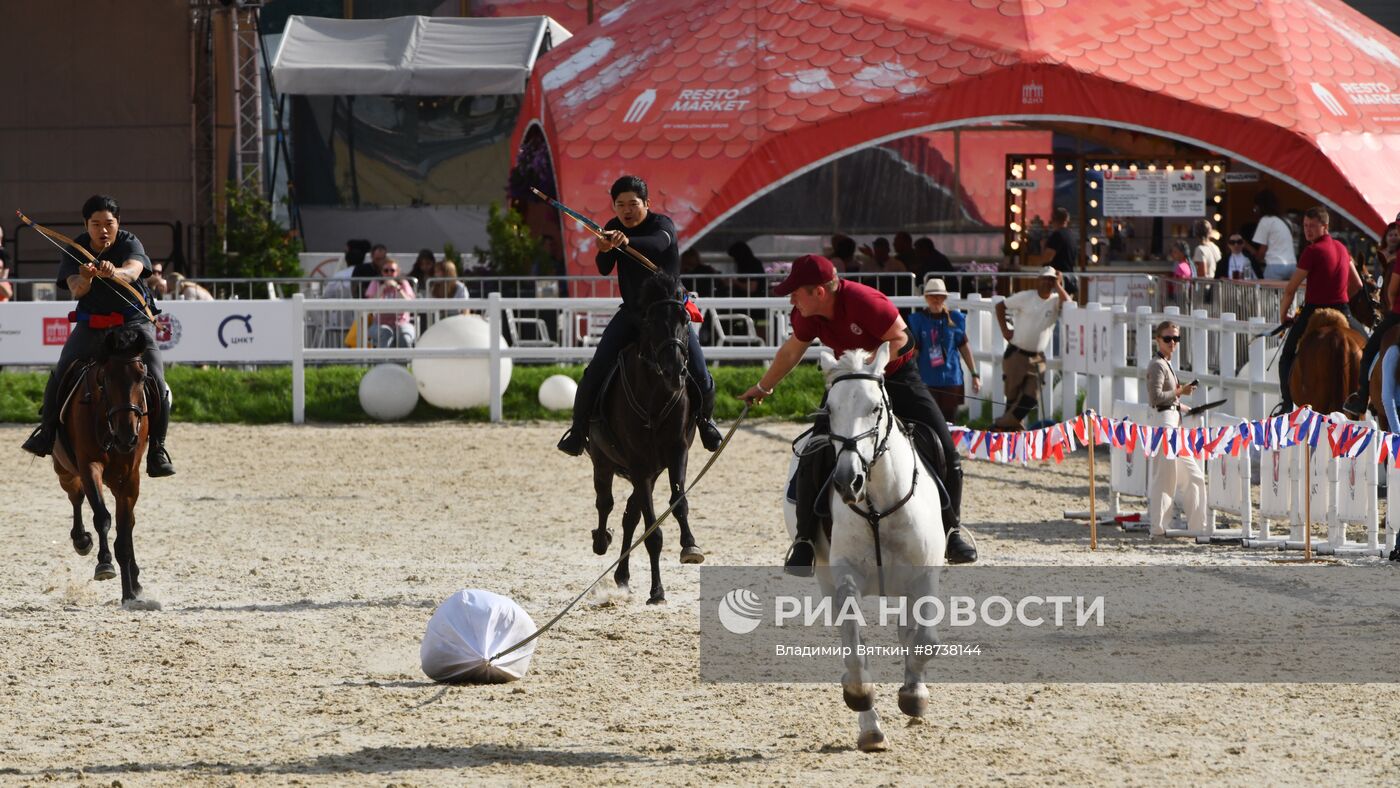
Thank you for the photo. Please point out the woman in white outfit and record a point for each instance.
(1176, 479)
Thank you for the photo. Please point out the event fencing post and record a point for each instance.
(1069, 380)
(1319, 493)
(493, 316)
(1228, 482)
(1118, 352)
(1258, 369)
(1200, 356)
(299, 359)
(1225, 360)
(1392, 505)
(1143, 350)
(1354, 499)
(1128, 469)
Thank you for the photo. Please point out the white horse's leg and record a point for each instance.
(920, 640)
(871, 738)
(856, 686)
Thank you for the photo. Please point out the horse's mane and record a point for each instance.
(1324, 319)
(853, 360)
(660, 286)
(122, 343)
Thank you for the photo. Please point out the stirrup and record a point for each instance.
(158, 464)
(40, 441)
(572, 443)
(801, 558)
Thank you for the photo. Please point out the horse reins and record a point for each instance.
(872, 515)
(631, 396)
(109, 441)
(636, 543)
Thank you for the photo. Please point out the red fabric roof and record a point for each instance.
(716, 103)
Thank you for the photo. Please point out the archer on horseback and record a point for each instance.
(844, 316)
(654, 235)
(1332, 281)
(117, 258)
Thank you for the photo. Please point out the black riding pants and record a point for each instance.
(912, 403)
(84, 343)
(624, 329)
(1295, 333)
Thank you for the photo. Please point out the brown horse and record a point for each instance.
(1328, 365)
(101, 440)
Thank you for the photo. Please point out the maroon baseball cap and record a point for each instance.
(809, 269)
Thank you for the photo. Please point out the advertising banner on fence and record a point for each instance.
(211, 332)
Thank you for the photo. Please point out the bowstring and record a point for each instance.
(141, 312)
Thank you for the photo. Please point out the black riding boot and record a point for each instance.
(576, 438)
(40, 442)
(960, 549)
(812, 473)
(710, 436)
(157, 459)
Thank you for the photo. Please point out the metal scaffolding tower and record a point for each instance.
(229, 27)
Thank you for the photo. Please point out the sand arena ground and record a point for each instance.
(298, 566)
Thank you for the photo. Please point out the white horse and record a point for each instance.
(878, 476)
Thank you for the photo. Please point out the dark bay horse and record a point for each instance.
(646, 427)
(1328, 365)
(101, 440)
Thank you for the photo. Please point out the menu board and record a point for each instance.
(1140, 193)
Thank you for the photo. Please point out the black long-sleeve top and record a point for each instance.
(655, 237)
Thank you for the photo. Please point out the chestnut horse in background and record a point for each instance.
(1328, 365)
(101, 439)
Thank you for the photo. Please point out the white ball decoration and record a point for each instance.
(557, 392)
(458, 383)
(388, 392)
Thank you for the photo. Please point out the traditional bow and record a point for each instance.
(56, 237)
(593, 227)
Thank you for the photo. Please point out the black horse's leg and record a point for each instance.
(126, 555)
(101, 521)
(658, 594)
(675, 471)
(630, 515)
(602, 491)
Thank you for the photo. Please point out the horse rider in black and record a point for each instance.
(654, 235)
(121, 260)
(1332, 280)
(845, 316)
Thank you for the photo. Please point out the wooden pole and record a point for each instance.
(1093, 513)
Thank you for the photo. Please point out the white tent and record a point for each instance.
(411, 55)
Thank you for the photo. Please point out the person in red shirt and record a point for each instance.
(1332, 281)
(1356, 404)
(845, 316)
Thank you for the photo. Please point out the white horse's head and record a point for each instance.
(860, 417)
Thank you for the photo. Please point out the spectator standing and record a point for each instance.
(1273, 240)
(1181, 275)
(941, 336)
(876, 257)
(843, 254)
(392, 329)
(1034, 313)
(1179, 479)
(1060, 251)
(1205, 255)
(904, 252)
(696, 276)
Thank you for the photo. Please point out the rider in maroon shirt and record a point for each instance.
(844, 316)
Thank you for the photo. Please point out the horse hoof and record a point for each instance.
(692, 555)
(105, 571)
(860, 701)
(602, 539)
(139, 603)
(914, 702)
(657, 599)
(872, 741)
(83, 544)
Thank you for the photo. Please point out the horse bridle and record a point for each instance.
(108, 443)
(872, 515)
(684, 346)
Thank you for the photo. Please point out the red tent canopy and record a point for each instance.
(717, 103)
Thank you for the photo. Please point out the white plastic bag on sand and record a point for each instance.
(469, 627)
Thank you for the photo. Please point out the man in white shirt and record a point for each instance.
(1033, 313)
(1273, 240)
